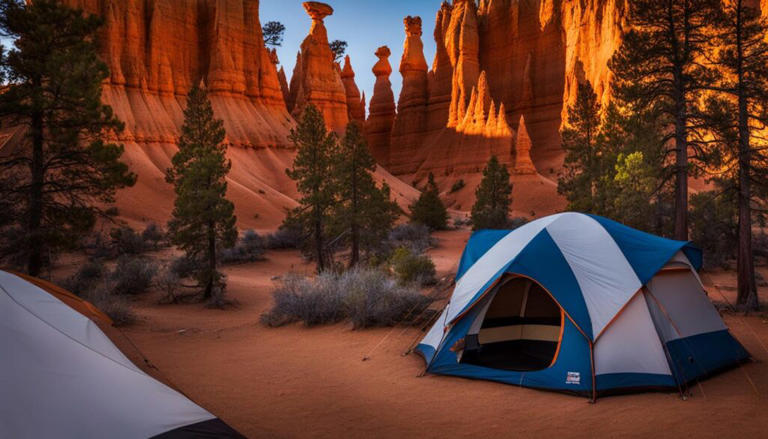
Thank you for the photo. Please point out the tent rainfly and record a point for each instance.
(61, 376)
(579, 303)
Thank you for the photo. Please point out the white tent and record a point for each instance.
(62, 377)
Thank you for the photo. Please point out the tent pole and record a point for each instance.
(592, 364)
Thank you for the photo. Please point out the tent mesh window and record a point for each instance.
(518, 329)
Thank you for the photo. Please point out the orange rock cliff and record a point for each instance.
(498, 62)
(499, 83)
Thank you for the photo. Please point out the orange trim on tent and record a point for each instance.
(559, 338)
(78, 304)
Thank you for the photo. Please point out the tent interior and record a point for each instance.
(518, 328)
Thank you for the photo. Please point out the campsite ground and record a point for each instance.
(300, 382)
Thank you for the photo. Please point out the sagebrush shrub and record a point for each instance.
(132, 275)
(249, 248)
(415, 237)
(367, 297)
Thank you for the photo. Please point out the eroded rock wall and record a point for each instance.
(529, 55)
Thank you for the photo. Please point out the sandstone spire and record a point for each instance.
(316, 78)
(381, 112)
(411, 120)
(355, 106)
(522, 157)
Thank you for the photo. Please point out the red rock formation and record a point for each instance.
(156, 50)
(532, 53)
(411, 118)
(522, 156)
(316, 78)
(381, 113)
(355, 104)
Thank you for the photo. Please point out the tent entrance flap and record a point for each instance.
(517, 329)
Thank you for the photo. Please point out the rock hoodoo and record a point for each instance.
(316, 78)
(499, 61)
(522, 154)
(411, 118)
(381, 112)
(355, 104)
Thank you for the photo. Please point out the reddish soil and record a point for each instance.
(300, 382)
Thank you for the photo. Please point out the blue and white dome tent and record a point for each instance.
(579, 303)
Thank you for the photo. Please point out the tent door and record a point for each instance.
(518, 328)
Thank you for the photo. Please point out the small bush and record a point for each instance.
(413, 268)
(459, 221)
(125, 241)
(415, 237)
(153, 234)
(367, 297)
(112, 211)
(169, 284)
(84, 279)
(457, 186)
(133, 275)
(116, 307)
(286, 237)
(248, 249)
(183, 267)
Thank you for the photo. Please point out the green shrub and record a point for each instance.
(249, 248)
(413, 268)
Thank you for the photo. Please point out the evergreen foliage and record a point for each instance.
(53, 186)
(203, 219)
(364, 212)
(657, 68)
(740, 111)
(428, 209)
(273, 32)
(492, 197)
(312, 171)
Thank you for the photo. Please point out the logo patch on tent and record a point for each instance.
(573, 378)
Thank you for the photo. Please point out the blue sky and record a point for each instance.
(363, 24)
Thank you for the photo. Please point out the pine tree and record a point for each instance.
(429, 209)
(203, 219)
(312, 171)
(741, 54)
(583, 168)
(57, 179)
(492, 197)
(658, 66)
(364, 211)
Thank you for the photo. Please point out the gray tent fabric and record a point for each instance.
(61, 376)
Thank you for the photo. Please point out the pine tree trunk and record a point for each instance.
(35, 261)
(681, 169)
(211, 260)
(355, 229)
(319, 241)
(745, 268)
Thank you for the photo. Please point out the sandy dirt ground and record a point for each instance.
(298, 382)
